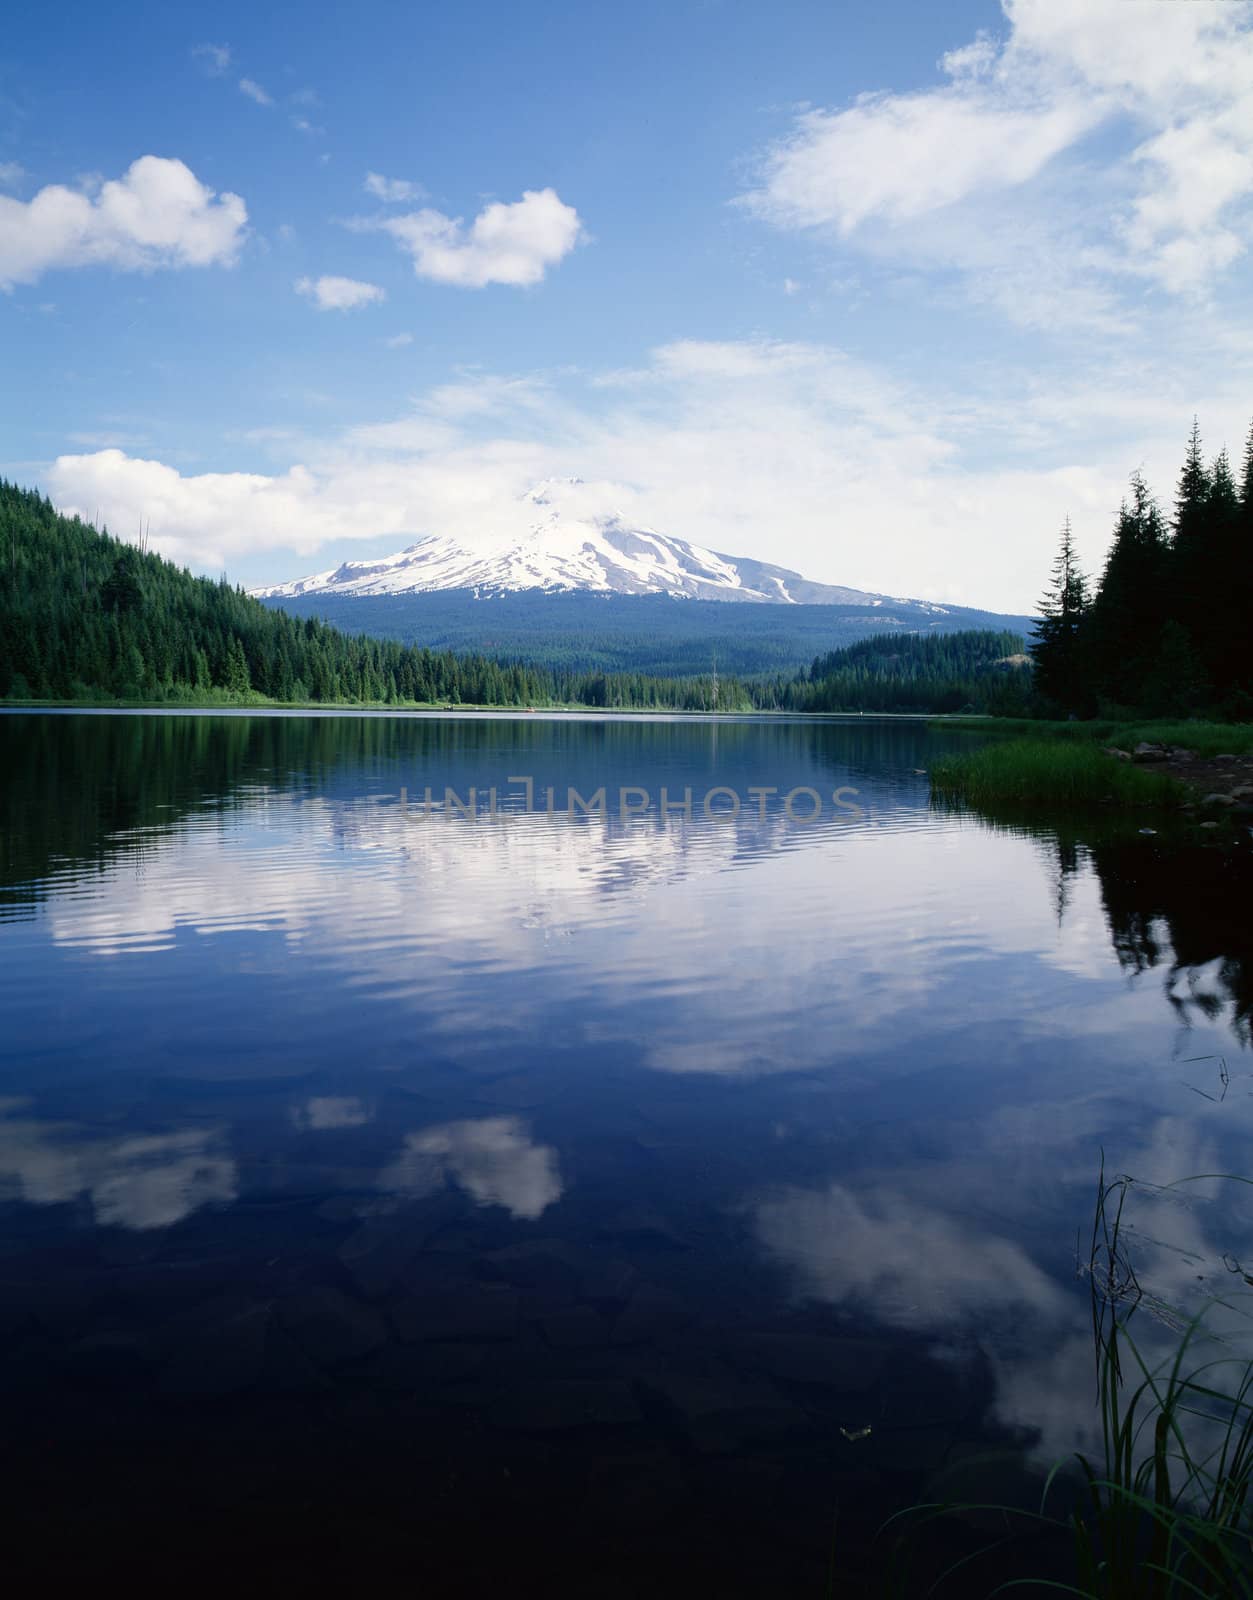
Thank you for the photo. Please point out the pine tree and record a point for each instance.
(1131, 607)
(238, 680)
(1192, 553)
(1226, 598)
(1059, 634)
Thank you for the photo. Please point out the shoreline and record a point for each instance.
(273, 708)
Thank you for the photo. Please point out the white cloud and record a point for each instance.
(215, 58)
(878, 159)
(506, 243)
(11, 174)
(339, 294)
(254, 91)
(392, 190)
(792, 452)
(941, 174)
(158, 215)
(398, 341)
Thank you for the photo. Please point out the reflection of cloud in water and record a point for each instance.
(331, 1111)
(915, 1260)
(908, 1264)
(147, 1181)
(493, 1159)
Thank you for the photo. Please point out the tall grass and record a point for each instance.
(1167, 1512)
(1040, 772)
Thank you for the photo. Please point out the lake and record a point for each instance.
(536, 1186)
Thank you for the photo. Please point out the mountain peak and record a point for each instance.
(548, 491)
(571, 541)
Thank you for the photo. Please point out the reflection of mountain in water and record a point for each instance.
(85, 791)
(120, 783)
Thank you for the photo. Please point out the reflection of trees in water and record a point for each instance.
(82, 791)
(1184, 908)
(1171, 905)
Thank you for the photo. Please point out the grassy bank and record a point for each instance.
(1043, 772)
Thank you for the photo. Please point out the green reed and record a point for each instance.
(1050, 773)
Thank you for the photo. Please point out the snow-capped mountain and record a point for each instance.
(564, 544)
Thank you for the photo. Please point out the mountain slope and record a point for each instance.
(563, 543)
(87, 617)
(585, 631)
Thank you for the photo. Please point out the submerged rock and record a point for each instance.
(563, 1404)
(851, 1365)
(467, 1311)
(650, 1313)
(329, 1327)
(227, 1356)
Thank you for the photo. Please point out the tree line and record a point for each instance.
(1164, 631)
(84, 616)
(975, 670)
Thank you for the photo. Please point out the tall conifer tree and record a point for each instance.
(1058, 644)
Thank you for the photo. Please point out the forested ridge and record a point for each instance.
(586, 631)
(975, 671)
(1165, 630)
(87, 617)
(84, 616)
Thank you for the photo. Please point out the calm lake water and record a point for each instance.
(590, 1203)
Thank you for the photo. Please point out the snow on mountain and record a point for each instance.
(566, 544)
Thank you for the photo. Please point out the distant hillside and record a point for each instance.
(87, 617)
(585, 632)
(979, 670)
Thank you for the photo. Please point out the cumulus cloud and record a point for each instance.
(790, 450)
(339, 294)
(1170, 88)
(158, 214)
(512, 243)
(392, 190)
(254, 91)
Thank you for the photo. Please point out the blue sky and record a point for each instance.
(880, 292)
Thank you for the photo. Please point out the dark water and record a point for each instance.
(547, 1203)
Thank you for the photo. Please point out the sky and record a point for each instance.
(881, 293)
